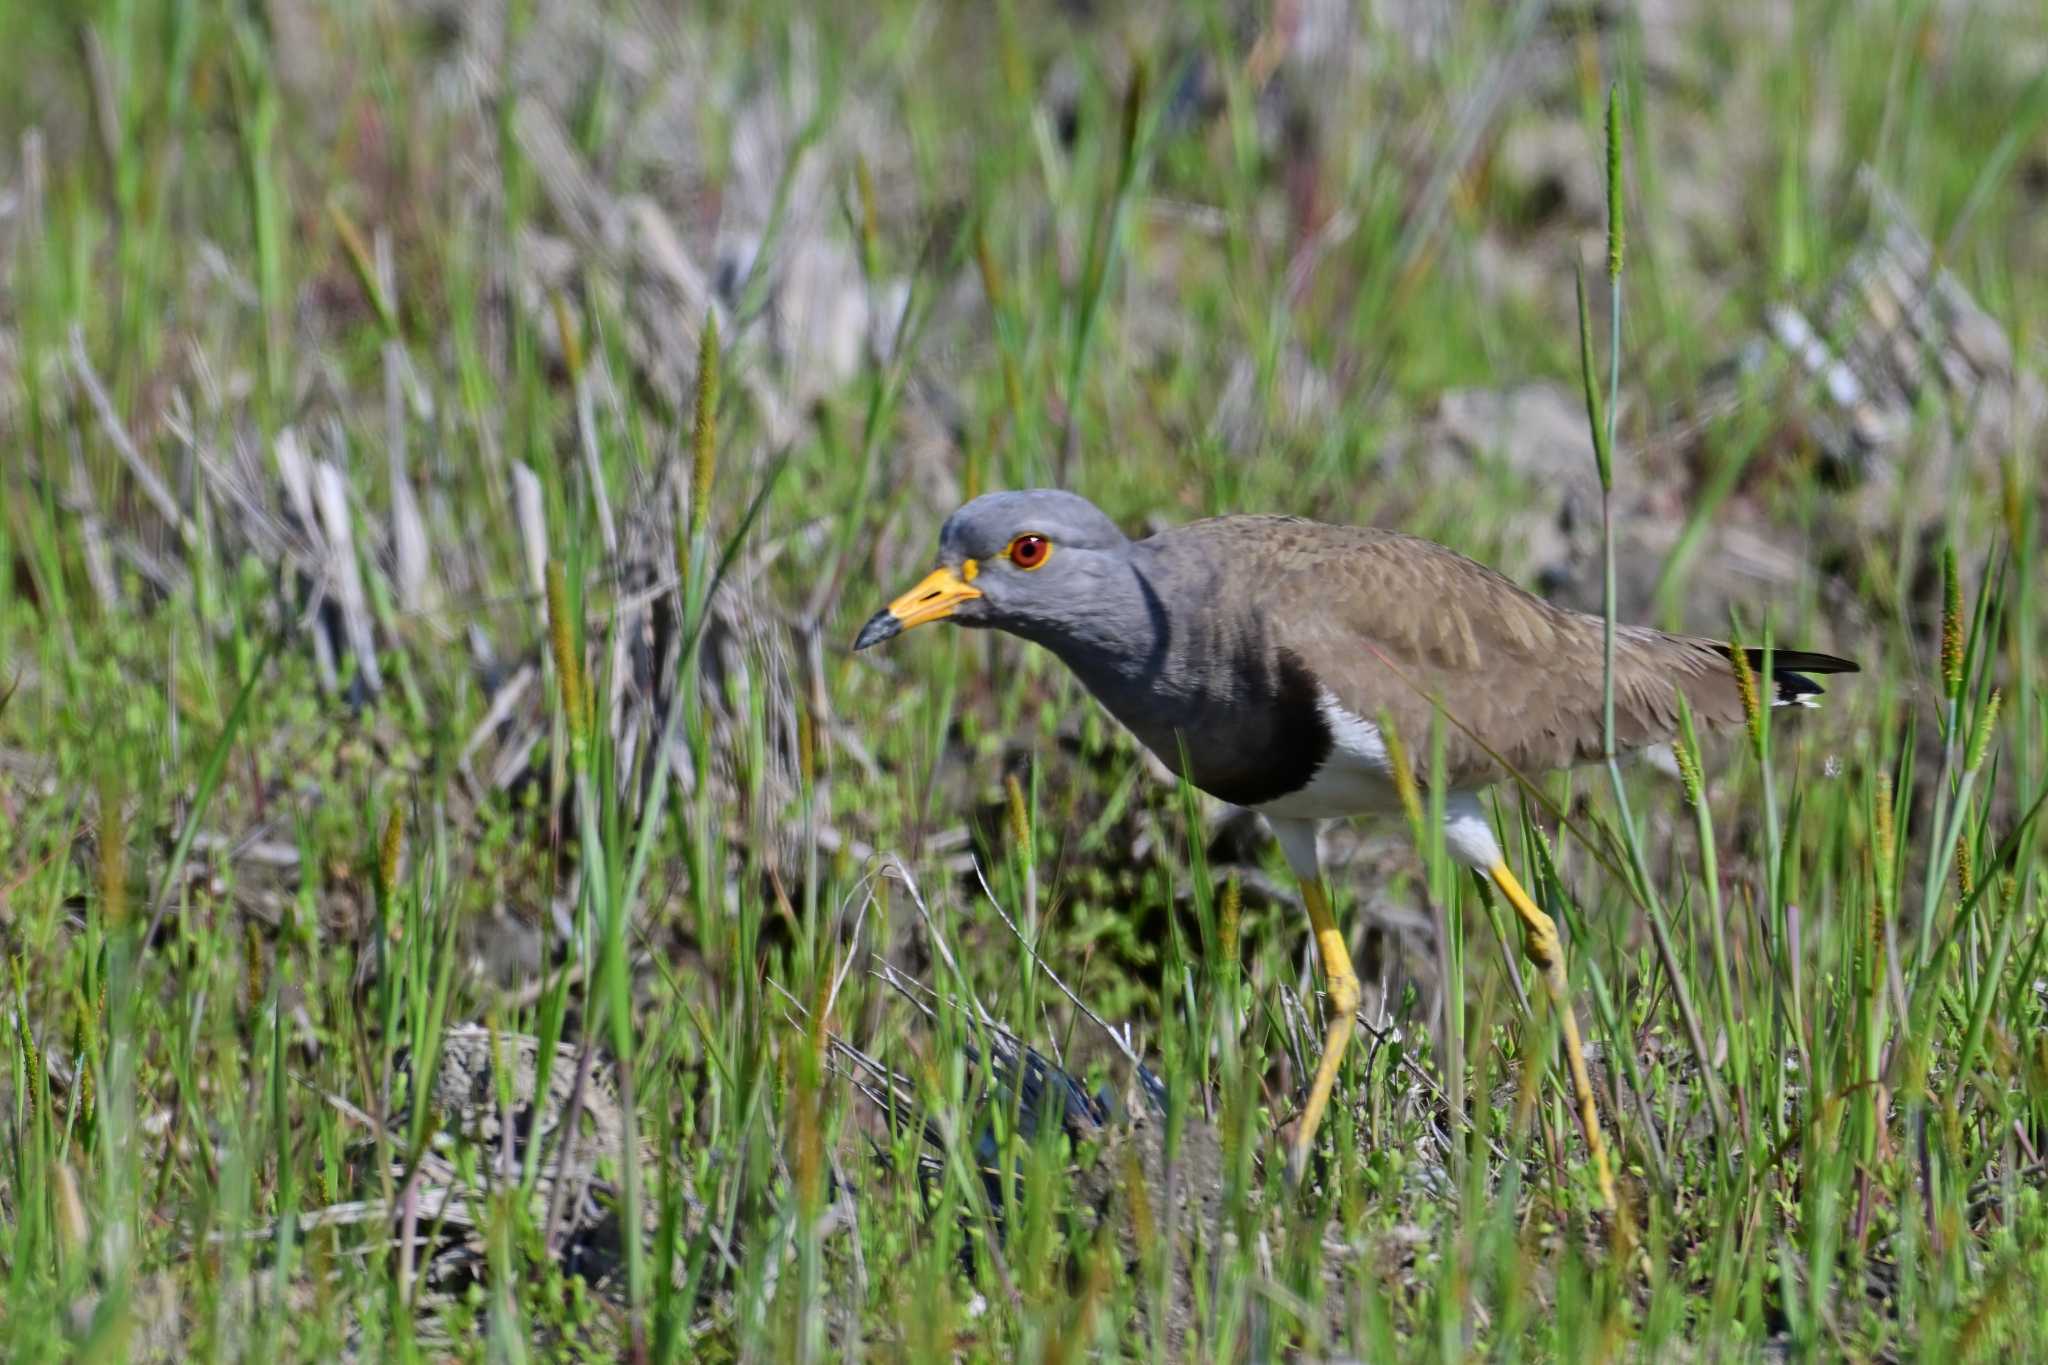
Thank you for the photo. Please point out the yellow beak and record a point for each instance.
(934, 599)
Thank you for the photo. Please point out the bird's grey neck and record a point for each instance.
(1146, 667)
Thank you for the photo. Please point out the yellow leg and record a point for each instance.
(1539, 942)
(1341, 982)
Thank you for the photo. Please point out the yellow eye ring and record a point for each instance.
(1029, 551)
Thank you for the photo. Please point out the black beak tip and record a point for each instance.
(881, 626)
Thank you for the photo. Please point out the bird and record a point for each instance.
(1265, 658)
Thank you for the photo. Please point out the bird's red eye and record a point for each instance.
(1028, 551)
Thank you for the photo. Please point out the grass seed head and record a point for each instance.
(561, 641)
(1885, 838)
(1951, 625)
(2012, 495)
(807, 746)
(31, 1056)
(1227, 916)
(388, 851)
(703, 443)
(1689, 775)
(1745, 687)
(113, 851)
(1980, 736)
(1615, 231)
(565, 332)
(991, 270)
(1020, 817)
(87, 1091)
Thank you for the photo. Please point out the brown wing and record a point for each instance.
(1392, 624)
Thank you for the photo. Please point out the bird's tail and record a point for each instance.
(1790, 683)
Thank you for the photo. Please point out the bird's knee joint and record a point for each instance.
(1539, 940)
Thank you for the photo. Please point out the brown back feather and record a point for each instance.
(1391, 623)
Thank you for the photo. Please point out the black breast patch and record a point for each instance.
(1273, 740)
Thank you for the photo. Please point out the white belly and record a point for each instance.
(1356, 778)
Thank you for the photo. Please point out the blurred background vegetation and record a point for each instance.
(462, 898)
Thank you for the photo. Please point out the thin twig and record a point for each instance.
(124, 445)
(1122, 1044)
(572, 1119)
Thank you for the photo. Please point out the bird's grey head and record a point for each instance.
(1033, 563)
